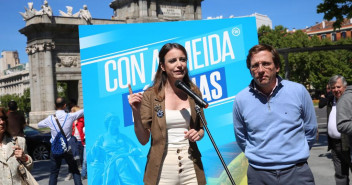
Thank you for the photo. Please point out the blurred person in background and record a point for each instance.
(16, 120)
(338, 143)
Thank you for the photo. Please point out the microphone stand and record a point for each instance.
(216, 148)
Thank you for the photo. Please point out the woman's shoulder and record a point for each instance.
(149, 92)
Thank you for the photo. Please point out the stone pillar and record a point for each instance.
(152, 8)
(189, 11)
(42, 86)
(80, 94)
(198, 8)
(143, 8)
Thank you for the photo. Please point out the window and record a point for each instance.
(323, 36)
(343, 35)
(333, 37)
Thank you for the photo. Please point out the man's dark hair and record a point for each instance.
(60, 102)
(12, 105)
(263, 47)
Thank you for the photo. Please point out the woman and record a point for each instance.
(79, 142)
(168, 115)
(77, 131)
(10, 153)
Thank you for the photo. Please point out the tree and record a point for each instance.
(312, 69)
(23, 102)
(336, 9)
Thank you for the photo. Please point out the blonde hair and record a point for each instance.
(75, 108)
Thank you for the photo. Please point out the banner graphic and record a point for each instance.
(113, 56)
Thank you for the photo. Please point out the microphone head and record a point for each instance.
(178, 83)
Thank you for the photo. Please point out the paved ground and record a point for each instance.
(41, 172)
(319, 161)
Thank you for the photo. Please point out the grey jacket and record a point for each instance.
(344, 112)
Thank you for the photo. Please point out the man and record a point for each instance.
(275, 123)
(16, 120)
(337, 142)
(66, 120)
(344, 113)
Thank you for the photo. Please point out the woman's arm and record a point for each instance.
(135, 101)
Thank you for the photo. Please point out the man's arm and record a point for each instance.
(344, 114)
(77, 114)
(240, 127)
(309, 118)
(44, 123)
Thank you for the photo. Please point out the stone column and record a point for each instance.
(152, 8)
(80, 94)
(143, 8)
(198, 8)
(42, 86)
(189, 11)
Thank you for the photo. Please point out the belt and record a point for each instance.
(301, 164)
(296, 165)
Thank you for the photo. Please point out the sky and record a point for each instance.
(291, 14)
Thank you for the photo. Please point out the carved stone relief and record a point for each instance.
(45, 46)
(67, 61)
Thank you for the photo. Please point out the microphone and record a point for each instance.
(199, 101)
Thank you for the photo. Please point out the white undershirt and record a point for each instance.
(76, 134)
(177, 122)
(332, 127)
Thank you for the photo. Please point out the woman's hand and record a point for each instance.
(193, 135)
(134, 99)
(19, 154)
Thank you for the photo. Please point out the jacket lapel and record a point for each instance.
(159, 105)
(193, 112)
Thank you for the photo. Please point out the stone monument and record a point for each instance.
(53, 44)
(135, 11)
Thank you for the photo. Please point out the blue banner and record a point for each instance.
(113, 56)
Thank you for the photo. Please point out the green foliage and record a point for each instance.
(62, 89)
(23, 102)
(312, 69)
(336, 9)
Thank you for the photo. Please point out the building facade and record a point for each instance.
(8, 60)
(136, 11)
(261, 20)
(326, 30)
(15, 80)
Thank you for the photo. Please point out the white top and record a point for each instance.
(76, 134)
(332, 127)
(177, 122)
